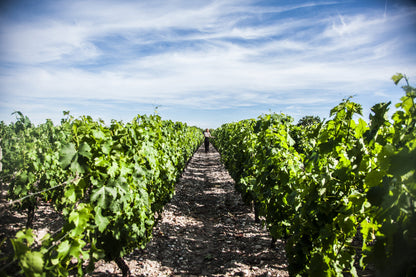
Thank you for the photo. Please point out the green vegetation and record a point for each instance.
(108, 183)
(325, 187)
(334, 190)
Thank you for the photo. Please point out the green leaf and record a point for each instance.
(98, 134)
(75, 191)
(327, 147)
(26, 235)
(100, 220)
(113, 169)
(125, 169)
(32, 262)
(80, 218)
(403, 162)
(76, 167)
(85, 150)
(103, 196)
(71, 194)
(396, 78)
(101, 161)
(76, 248)
(63, 249)
(289, 139)
(67, 154)
(123, 186)
(22, 241)
(106, 147)
(361, 128)
(374, 177)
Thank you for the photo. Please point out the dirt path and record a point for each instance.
(205, 230)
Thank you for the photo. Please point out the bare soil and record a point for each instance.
(46, 220)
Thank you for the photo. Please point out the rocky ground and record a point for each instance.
(206, 230)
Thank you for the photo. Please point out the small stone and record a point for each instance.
(246, 272)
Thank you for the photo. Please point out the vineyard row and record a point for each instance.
(109, 183)
(340, 192)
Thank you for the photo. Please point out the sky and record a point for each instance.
(205, 62)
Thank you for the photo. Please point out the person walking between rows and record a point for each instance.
(207, 135)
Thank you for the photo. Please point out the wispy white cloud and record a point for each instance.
(207, 55)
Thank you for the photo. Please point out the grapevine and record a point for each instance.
(321, 186)
(107, 181)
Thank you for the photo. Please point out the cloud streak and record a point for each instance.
(212, 55)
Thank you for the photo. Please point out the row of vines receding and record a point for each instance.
(341, 193)
(106, 182)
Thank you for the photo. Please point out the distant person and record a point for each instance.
(207, 135)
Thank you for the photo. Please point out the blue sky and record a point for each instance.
(201, 62)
